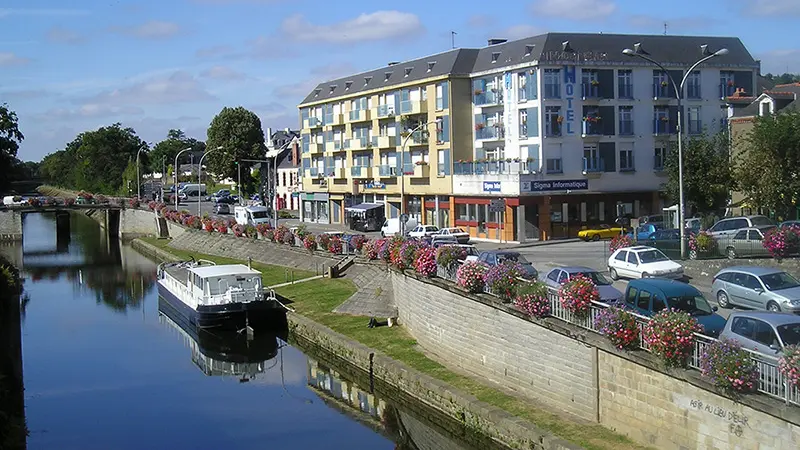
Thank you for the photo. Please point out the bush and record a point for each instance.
(208, 225)
(403, 256)
(370, 249)
(470, 276)
(729, 367)
(69, 201)
(262, 228)
(280, 233)
(358, 241)
(310, 242)
(101, 199)
(269, 234)
(619, 241)
(619, 326)
(302, 231)
(323, 240)
(49, 201)
(533, 299)
(34, 201)
(193, 222)
(503, 279)
(221, 226)
(670, 336)
(577, 294)
(238, 230)
(335, 245)
(448, 256)
(151, 205)
(250, 231)
(134, 202)
(702, 242)
(789, 364)
(425, 262)
(782, 242)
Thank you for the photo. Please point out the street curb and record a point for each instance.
(540, 243)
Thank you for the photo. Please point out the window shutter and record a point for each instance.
(445, 95)
(606, 79)
(446, 168)
(533, 85)
(445, 128)
(608, 156)
(609, 120)
(676, 75)
(533, 122)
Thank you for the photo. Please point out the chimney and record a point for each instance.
(394, 63)
(493, 41)
(269, 137)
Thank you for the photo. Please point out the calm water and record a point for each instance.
(104, 369)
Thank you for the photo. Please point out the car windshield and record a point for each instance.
(259, 215)
(516, 257)
(761, 220)
(596, 277)
(652, 256)
(779, 280)
(470, 251)
(455, 230)
(695, 305)
(790, 333)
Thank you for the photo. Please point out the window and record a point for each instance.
(553, 119)
(695, 123)
(443, 160)
(661, 120)
(553, 275)
(625, 84)
(626, 157)
(591, 159)
(442, 96)
(658, 303)
(554, 165)
(590, 84)
(430, 65)
(523, 123)
(727, 84)
(552, 83)
(693, 85)
(632, 292)
(660, 156)
(661, 87)
(765, 109)
(626, 120)
(643, 302)
(526, 82)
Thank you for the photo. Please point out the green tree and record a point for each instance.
(707, 174)
(128, 187)
(238, 131)
(785, 78)
(767, 168)
(165, 151)
(10, 138)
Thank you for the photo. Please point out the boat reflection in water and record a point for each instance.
(225, 353)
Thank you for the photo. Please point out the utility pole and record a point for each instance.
(239, 183)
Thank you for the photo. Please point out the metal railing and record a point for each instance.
(495, 167)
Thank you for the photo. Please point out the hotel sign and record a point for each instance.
(569, 88)
(554, 185)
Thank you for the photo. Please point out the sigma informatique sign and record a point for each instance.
(554, 185)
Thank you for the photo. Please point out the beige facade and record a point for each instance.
(739, 129)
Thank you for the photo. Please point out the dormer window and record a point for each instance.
(347, 85)
(367, 80)
(529, 49)
(333, 88)
(316, 92)
(408, 71)
(386, 76)
(430, 65)
(495, 56)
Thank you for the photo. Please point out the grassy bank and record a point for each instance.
(317, 299)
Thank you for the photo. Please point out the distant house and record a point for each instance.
(285, 145)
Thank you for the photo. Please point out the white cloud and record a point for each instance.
(574, 9)
(520, 31)
(223, 73)
(376, 26)
(780, 61)
(154, 29)
(8, 59)
(178, 87)
(777, 8)
(64, 36)
(301, 88)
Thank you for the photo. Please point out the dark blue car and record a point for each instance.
(650, 295)
(644, 231)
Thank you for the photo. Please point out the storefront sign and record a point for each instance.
(491, 186)
(569, 87)
(554, 185)
(375, 185)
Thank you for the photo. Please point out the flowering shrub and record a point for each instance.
(221, 227)
(208, 225)
(102, 199)
(262, 228)
(302, 231)
(670, 336)
(789, 364)
(532, 299)
(448, 256)
(503, 279)
(192, 222)
(370, 249)
(335, 245)
(470, 276)
(729, 366)
(391, 246)
(577, 294)
(34, 201)
(151, 205)
(49, 201)
(358, 241)
(782, 242)
(269, 234)
(619, 326)
(238, 230)
(280, 233)
(323, 240)
(310, 242)
(619, 241)
(425, 263)
(250, 231)
(69, 201)
(403, 255)
(702, 242)
(288, 238)
(134, 202)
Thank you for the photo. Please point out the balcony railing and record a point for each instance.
(662, 91)
(490, 133)
(625, 90)
(360, 115)
(419, 137)
(385, 110)
(414, 170)
(489, 97)
(589, 90)
(496, 167)
(528, 92)
(333, 146)
(592, 128)
(386, 171)
(314, 171)
(552, 90)
(626, 127)
(383, 141)
(726, 89)
(312, 122)
(593, 165)
(693, 91)
(662, 126)
(337, 172)
(316, 147)
(552, 129)
(361, 172)
(357, 143)
(439, 103)
(413, 106)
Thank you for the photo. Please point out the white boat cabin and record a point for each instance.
(218, 285)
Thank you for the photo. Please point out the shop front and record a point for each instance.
(315, 207)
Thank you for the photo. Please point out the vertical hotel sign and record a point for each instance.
(569, 87)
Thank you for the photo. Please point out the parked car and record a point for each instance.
(789, 223)
(600, 232)
(470, 250)
(643, 232)
(560, 275)
(647, 297)
(642, 262)
(219, 194)
(655, 219)
(730, 225)
(757, 288)
(668, 241)
(746, 242)
(393, 226)
(764, 332)
(694, 224)
(227, 199)
(495, 257)
(441, 239)
(423, 231)
(222, 208)
(460, 235)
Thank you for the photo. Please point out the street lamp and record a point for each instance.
(175, 172)
(138, 176)
(403, 163)
(200, 174)
(679, 128)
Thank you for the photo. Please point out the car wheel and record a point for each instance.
(772, 306)
(612, 272)
(731, 252)
(722, 299)
(596, 237)
(383, 235)
(645, 275)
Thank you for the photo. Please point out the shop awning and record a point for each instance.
(364, 207)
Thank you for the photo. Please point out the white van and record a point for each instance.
(192, 190)
(392, 226)
(251, 215)
(9, 200)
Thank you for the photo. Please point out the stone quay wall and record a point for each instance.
(574, 370)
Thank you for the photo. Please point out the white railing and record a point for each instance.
(771, 381)
(243, 296)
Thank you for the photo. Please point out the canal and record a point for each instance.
(105, 367)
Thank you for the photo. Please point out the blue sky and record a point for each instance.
(67, 67)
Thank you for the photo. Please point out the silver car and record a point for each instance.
(756, 287)
(765, 332)
(560, 275)
(730, 225)
(746, 242)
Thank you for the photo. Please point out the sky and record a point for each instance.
(69, 67)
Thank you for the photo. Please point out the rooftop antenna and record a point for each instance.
(453, 39)
(665, 28)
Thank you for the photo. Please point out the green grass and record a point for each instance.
(316, 300)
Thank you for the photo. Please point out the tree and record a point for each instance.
(707, 175)
(785, 78)
(238, 131)
(767, 168)
(10, 138)
(164, 152)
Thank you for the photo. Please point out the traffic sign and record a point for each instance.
(404, 218)
(497, 205)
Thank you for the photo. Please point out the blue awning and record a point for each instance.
(364, 207)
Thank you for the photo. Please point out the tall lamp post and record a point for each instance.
(200, 174)
(175, 170)
(638, 52)
(403, 162)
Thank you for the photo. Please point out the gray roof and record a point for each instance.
(753, 270)
(452, 62)
(763, 84)
(776, 319)
(748, 111)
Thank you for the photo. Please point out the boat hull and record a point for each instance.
(233, 316)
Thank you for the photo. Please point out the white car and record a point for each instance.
(471, 251)
(642, 262)
(422, 231)
(461, 236)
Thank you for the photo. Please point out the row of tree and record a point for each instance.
(765, 168)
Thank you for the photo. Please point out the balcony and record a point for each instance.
(313, 172)
(726, 89)
(590, 91)
(360, 115)
(552, 129)
(592, 128)
(413, 106)
(662, 127)
(316, 147)
(384, 111)
(384, 141)
(419, 137)
(312, 122)
(662, 91)
(361, 172)
(415, 170)
(387, 171)
(513, 167)
(490, 97)
(489, 133)
(593, 167)
(334, 119)
(337, 172)
(359, 143)
(626, 127)
(333, 146)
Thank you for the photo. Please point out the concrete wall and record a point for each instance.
(10, 226)
(577, 371)
(135, 223)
